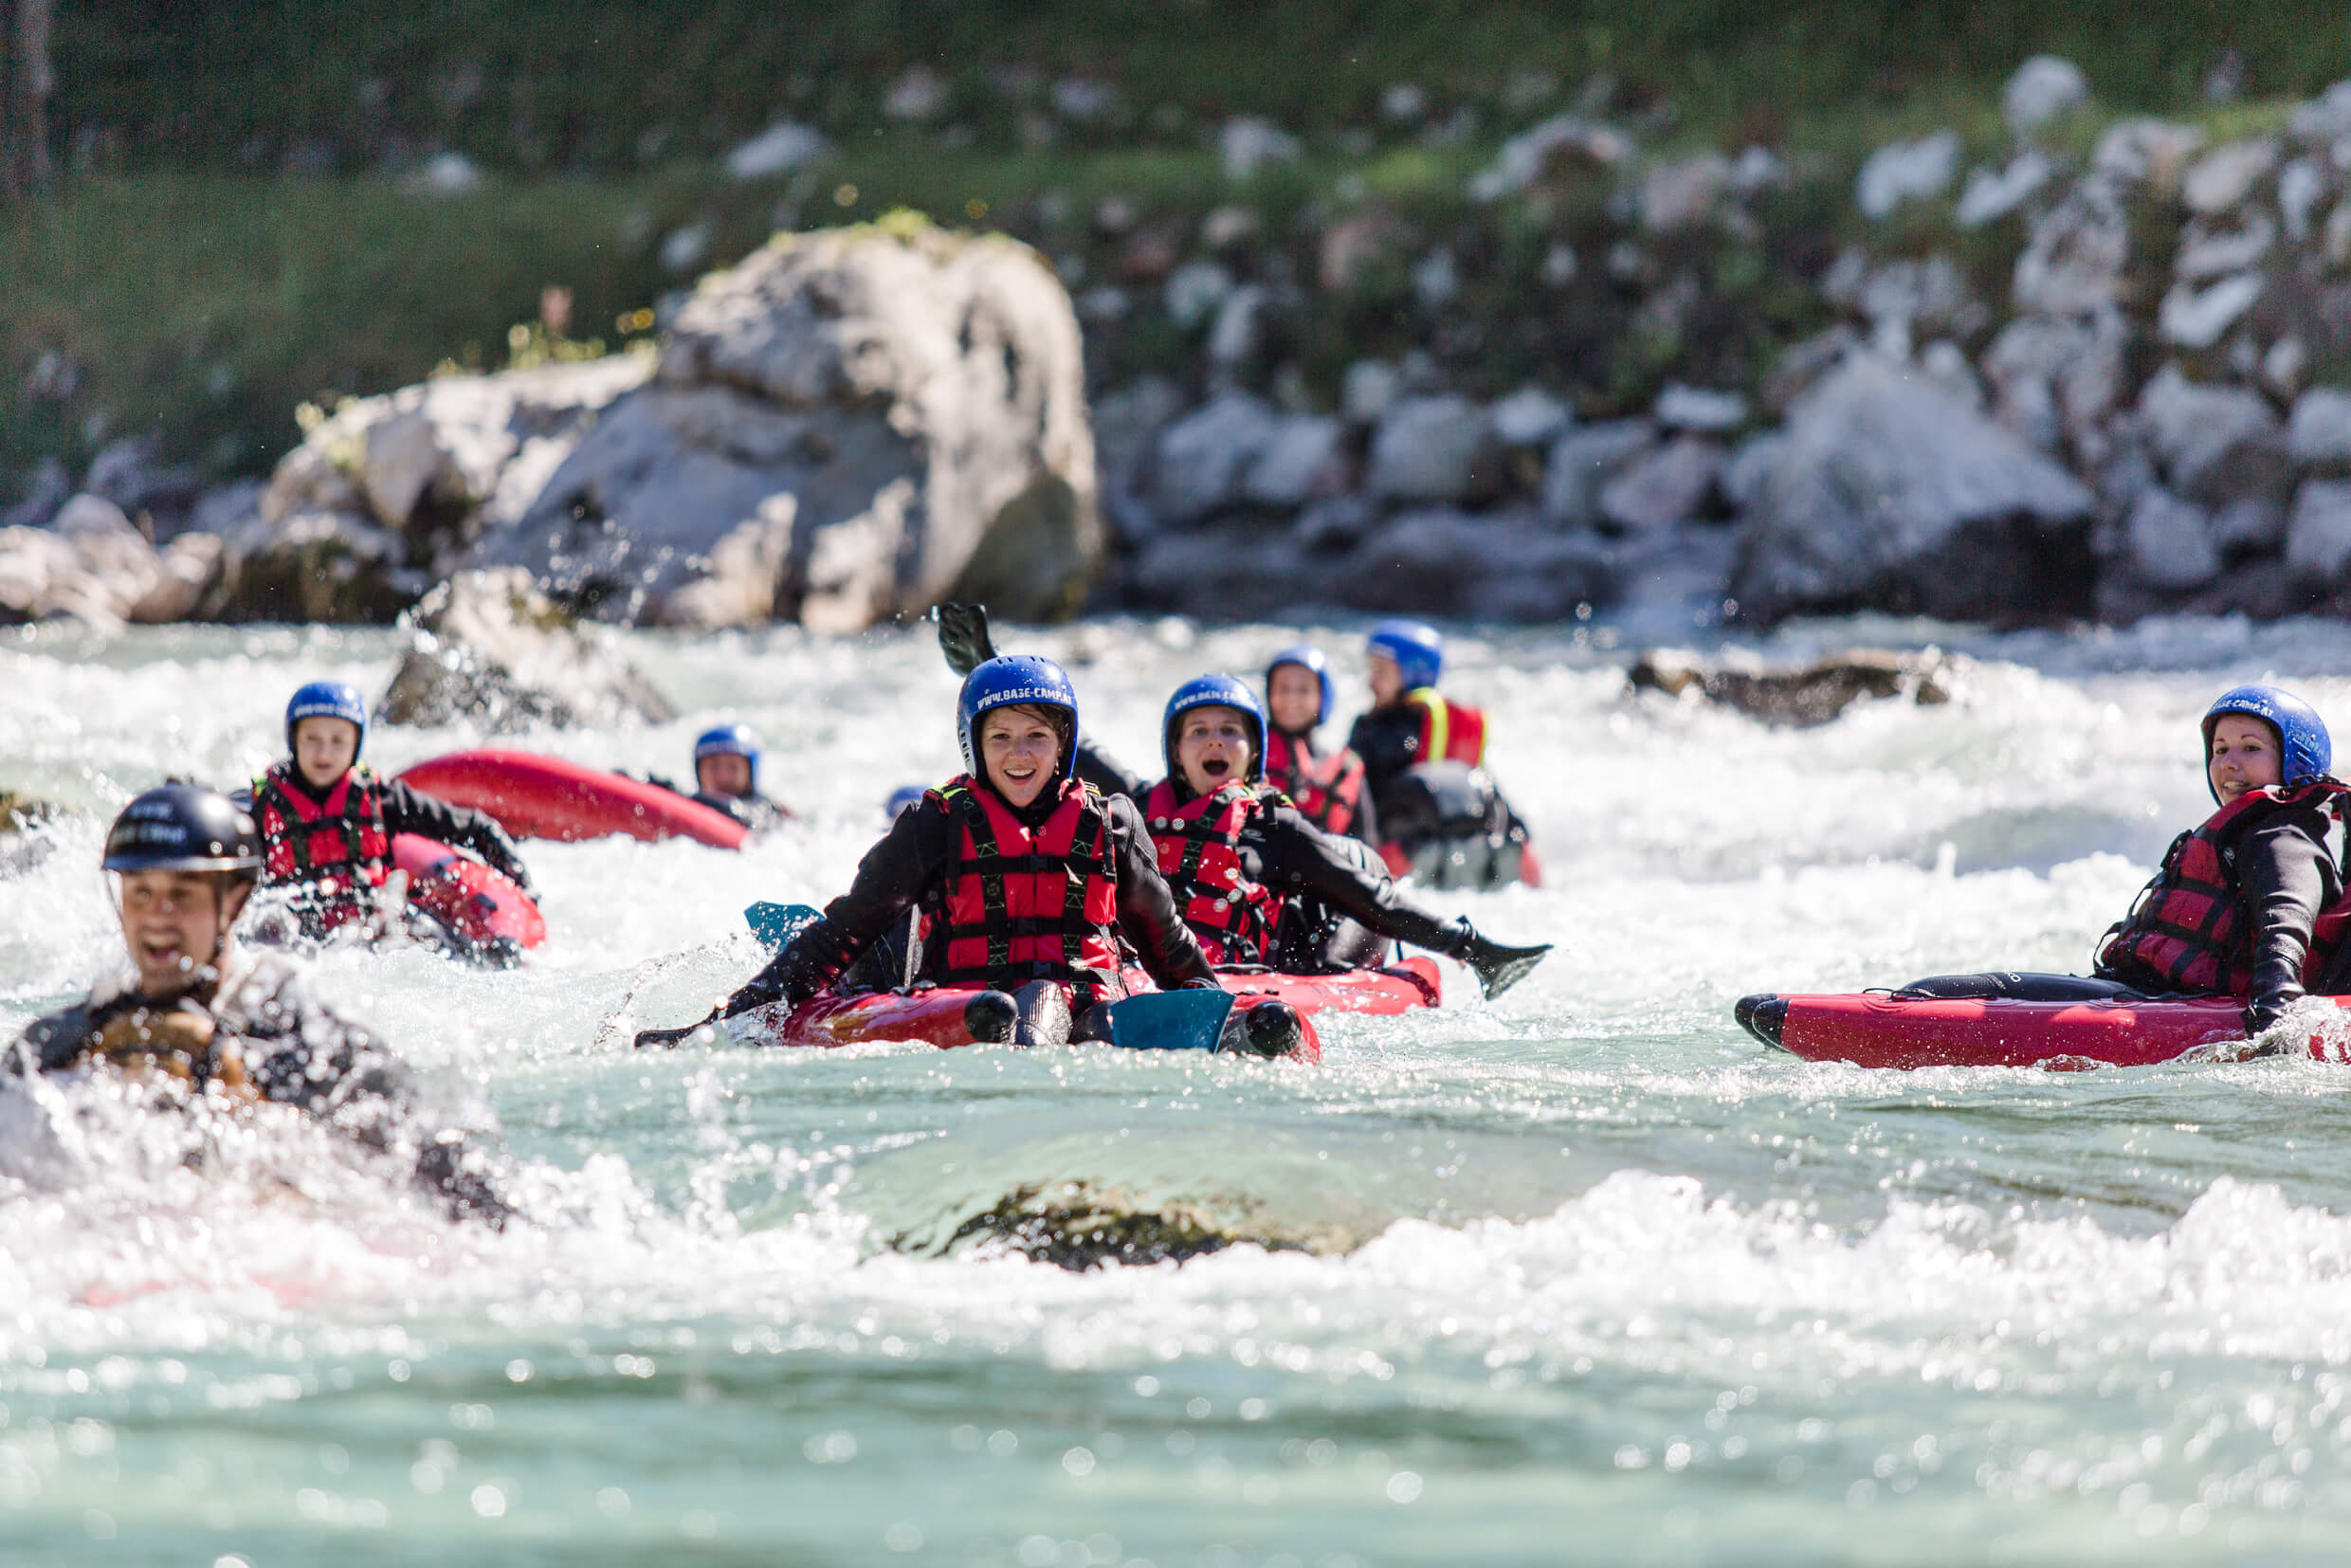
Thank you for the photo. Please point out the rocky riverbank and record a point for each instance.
(2079, 367)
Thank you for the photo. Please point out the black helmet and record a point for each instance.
(185, 828)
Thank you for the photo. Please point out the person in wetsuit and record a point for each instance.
(1030, 881)
(199, 1015)
(726, 777)
(1441, 816)
(2248, 903)
(1259, 883)
(1330, 789)
(327, 821)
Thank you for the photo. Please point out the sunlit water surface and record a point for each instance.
(1583, 1275)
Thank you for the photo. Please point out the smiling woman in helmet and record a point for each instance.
(199, 1015)
(327, 821)
(1026, 879)
(2248, 904)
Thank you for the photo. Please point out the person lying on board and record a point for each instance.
(726, 777)
(327, 821)
(2248, 904)
(199, 1016)
(1328, 788)
(1424, 763)
(1259, 883)
(1028, 879)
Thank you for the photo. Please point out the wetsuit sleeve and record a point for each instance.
(53, 1040)
(1098, 768)
(1388, 740)
(1147, 914)
(2287, 875)
(408, 810)
(910, 859)
(1298, 857)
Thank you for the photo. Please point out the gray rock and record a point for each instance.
(1801, 696)
(1563, 143)
(1681, 407)
(1581, 463)
(2326, 117)
(2284, 365)
(2150, 152)
(445, 175)
(2195, 319)
(1439, 562)
(1662, 486)
(1303, 459)
(488, 649)
(1682, 194)
(1436, 283)
(1238, 331)
(2208, 251)
(1204, 456)
(1744, 470)
(2339, 234)
(2042, 88)
(190, 569)
(1334, 523)
(2071, 366)
(2253, 525)
(50, 486)
(1946, 364)
(1434, 448)
(2320, 432)
(1247, 144)
(2072, 264)
(1529, 417)
(131, 473)
(918, 94)
(1991, 195)
(778, 150)
(2216, 444)
(1367, 390)
(2223, 177)
(1225, 574)
(2301, 184)
(89, 565)
(1801, 365)
(2171, 541)
(1891, 494)
(1195, 291)
(1906, 171)
(2317, 535)
(1127, 424)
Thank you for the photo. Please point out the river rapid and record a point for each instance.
(1585, 1274)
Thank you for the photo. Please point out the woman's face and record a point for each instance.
(1213, 747)
(1020, 751)
(2245, 756)
(1295, 696)
(1386, 679)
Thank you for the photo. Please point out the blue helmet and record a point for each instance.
(1306, 656)
(1012, 680)
(1215, 691)
(728, 741)
(328, 700)
(1417, 649)
(903, 799)
(2306, 750)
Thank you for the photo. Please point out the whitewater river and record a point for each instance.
(1583, 1275)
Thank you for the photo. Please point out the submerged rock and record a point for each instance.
(1081, 1225)
(491, 650)
(1803, 695)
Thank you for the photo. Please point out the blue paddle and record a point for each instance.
(775, 924)
(1169, 1020)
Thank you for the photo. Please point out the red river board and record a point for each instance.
(1879, 1030)
(534, 796)
(479, 903)
(936, 1016)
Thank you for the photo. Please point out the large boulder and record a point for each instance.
(2217, 443)
(91, 565)
(850, 425)
(1502, 566)
(489, 649)
(1889, 493)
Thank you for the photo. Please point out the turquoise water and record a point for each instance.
(1582, 1275)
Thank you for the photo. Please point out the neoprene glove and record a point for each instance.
(1498, 966)
(963, 636)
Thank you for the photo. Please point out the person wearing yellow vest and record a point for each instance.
(1257, 883)
(1028, 880)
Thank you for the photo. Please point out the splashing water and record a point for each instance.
(1584, 1273)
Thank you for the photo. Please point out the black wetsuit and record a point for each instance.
(296, 1051)
(1388, 739)
(913, 866)
(2285, 868)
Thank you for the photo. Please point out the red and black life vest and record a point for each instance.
(1449, 732)
(1025, 904)
(2189, 927)
(330, 848)
(1328, 788)
(1199, 845)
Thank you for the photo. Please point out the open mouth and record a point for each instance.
(1215, 767)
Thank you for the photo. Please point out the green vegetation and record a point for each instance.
(181, 281)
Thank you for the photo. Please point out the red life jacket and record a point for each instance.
(1200, 856)
(1328, 789)
(1026, 904)
(331, 849)
(1449, 732)
(2189, 926)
